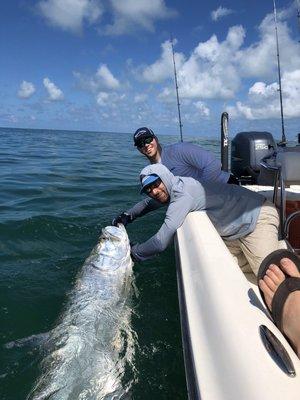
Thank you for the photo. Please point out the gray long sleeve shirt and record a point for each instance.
(232, 209)
(190, 160)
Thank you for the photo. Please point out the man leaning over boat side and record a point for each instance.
(182, 159)
(245, 220)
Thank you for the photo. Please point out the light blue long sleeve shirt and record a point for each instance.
(232, 209)
(190, 160)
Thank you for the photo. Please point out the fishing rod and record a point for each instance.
(177, 94)
(298, 14)
(283, 138)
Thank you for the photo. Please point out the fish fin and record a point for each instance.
(37, 340)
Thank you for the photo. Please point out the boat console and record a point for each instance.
(256, 160)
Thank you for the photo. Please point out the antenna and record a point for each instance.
(176, 86)
(283, 138)
(298, 14)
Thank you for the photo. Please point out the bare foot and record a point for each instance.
(291, 310)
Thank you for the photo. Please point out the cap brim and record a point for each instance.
(148, 182)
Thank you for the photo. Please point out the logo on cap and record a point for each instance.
(143, 132)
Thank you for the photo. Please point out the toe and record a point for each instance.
(273, 274)
(289, 267)
(268, 293)
(278, 274)
(270, 282)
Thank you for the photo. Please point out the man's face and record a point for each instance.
(148, 149)
(158, 191)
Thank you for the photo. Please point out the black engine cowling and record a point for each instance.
(247, 150)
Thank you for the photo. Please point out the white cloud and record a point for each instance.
(212, 69)
(291, 93)
(102, 80)
(167, 95)
(102, 98)
(107, 78)
(70, 15)
(104, 86)
(217, 69)
(140, 98)
(54, 92)
(220, 12)
(259, 59)
(129, 15)
(109, 99)
(9, 117)
(260, 89)
(26, 90)
(163, 68)
(238, 110)
(201, 107)
(263, 100)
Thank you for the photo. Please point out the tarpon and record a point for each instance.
(92, 342)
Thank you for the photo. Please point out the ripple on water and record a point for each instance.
(58, 189)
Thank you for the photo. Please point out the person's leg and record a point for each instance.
(235, 249)
(264, 239)
(291, 310)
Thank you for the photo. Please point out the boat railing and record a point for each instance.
(286, 173)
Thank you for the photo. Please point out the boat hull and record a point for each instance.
(221, 317)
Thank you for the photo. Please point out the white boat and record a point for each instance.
(229, 351)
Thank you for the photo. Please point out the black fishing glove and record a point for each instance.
(123, 218)
(233, 180)
(133, 257)
(135, 260)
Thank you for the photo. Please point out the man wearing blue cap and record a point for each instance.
(182, 159)
(247, 223)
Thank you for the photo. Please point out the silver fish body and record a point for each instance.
(93, 342)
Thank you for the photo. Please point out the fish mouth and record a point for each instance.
(114, 232)
(113, 250)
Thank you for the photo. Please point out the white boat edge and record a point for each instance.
(221, 314)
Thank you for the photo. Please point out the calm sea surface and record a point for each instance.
(58, 189)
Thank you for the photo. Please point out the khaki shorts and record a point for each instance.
(250, 250)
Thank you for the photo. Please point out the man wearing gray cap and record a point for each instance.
(182, 159)
(247, 223)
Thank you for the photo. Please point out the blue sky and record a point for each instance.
(106, 65)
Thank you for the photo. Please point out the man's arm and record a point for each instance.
(205, 161)
(175, 216)
(138, 210)
(143, 207)
(198, 157)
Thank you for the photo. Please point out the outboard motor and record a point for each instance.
(247, 150)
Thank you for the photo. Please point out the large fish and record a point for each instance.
(93, 342)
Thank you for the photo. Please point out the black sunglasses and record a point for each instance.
(154, 185)
(142, 143)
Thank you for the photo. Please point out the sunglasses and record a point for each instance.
(154, 185)
(142, 143)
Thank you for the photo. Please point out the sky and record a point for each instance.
(106, 65)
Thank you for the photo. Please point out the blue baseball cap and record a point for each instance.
(147, 180)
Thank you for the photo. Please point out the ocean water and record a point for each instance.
(58, 189)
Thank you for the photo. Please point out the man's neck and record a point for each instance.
(156, 157)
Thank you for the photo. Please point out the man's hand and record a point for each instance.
(123, 218)
(132, 246)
